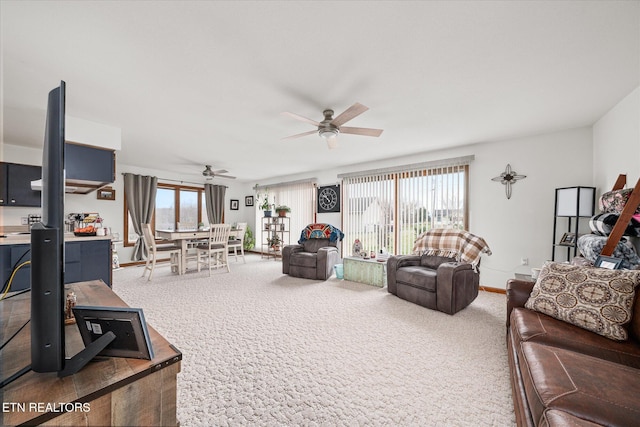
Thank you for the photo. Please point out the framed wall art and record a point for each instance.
(248, 201)
(106, 193)
(234, 204)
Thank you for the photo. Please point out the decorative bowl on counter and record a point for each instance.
(89, 230)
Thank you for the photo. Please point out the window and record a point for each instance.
(189, 213)
(369, 211)
(174, 204)
(390, 208)
(165, 211)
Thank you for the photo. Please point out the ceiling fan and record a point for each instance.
(210, 174)
(330, 127)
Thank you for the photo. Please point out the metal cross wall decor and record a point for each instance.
(507, 178)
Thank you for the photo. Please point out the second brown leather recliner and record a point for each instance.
(436, 282)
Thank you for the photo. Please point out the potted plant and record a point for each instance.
(265, 205)
(282, 210)
(274, 242)
(249, 241)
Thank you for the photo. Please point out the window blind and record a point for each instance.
(389, 208)
(299, 196)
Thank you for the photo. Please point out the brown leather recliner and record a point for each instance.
(313, 259)
(436, 282)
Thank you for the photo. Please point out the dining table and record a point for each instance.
(183, 237)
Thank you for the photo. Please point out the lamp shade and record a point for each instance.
(575, 201)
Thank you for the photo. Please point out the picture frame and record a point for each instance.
(568, 239)
(234, 204)
(248, 201)
(608, 262)
(106, 193)
(127, 323)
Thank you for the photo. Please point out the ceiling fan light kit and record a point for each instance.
(328, 133)
(329, 128)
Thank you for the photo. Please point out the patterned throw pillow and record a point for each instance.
(596, 299)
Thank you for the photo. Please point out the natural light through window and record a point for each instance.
(175, 205)
(388, 209)
(165, 209)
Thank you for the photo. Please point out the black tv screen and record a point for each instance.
(47, 247)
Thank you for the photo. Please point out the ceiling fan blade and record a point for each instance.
(348, 114)
(220, 171)
(301, 118)
(361, 131)
(300, 134)
(225, 176)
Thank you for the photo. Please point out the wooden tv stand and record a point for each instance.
(107, 391)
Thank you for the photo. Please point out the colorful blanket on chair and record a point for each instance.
(452, 243)
(321, 231)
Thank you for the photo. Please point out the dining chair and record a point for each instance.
(237, 242)
(175, 253)
(214, 254)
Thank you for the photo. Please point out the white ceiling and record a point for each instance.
(194, 83)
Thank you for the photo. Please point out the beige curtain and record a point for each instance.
(214, 199)
(140, 193)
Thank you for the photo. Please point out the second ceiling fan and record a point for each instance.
(210, 173)
(330, 127)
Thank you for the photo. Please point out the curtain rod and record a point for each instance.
(181, 182)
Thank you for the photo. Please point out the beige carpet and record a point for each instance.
(262, 348)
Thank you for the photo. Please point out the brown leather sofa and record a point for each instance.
(436, 282)
(563, 375)
(312, 259)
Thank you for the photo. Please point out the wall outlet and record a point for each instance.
(524, 261)
(24, 220)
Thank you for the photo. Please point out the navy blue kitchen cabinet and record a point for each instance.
(87, 166)
(15, 185)
(84, 260)
(10, 255)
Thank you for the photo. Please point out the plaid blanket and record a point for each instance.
(321, 231)
(452, 243)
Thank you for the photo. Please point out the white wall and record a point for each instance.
(616, 145)
(522, 226)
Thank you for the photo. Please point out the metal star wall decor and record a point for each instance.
(507, 178)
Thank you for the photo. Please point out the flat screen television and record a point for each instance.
(47, 257)
(47, 247)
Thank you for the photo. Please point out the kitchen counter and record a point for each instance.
(25, 239)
